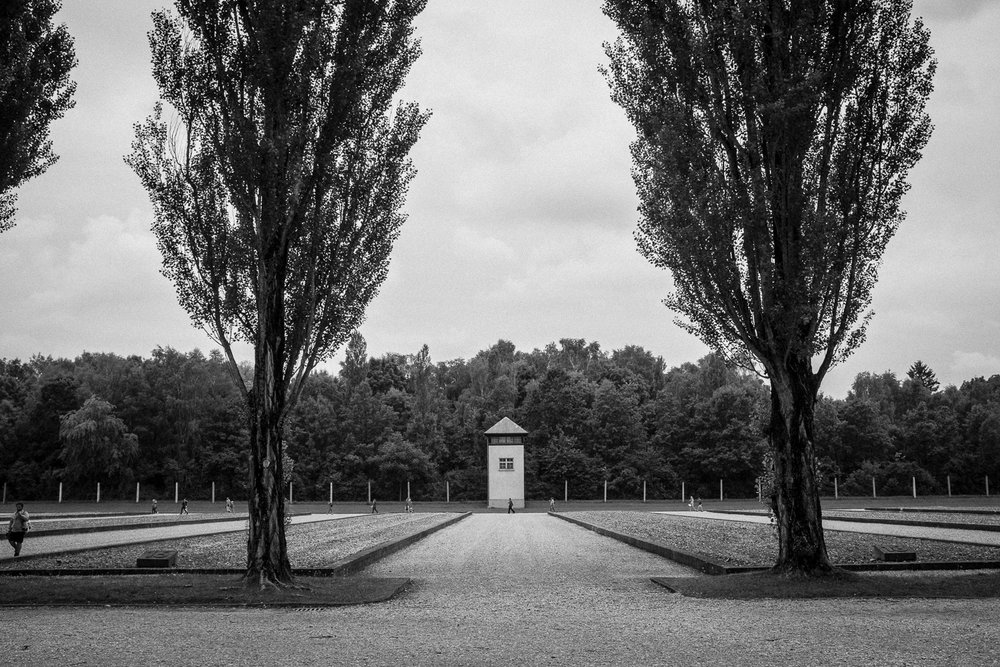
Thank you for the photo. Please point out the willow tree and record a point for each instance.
(773, 142)
(35, 89)
(277, 189)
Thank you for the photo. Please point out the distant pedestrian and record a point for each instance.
(330, 509)
(691, 503)
(154, 509)
(700, 508)
(229, 505)
(19, 525)
(552, 504)
(510, 506)
(184, 506)
(374, 506)
(409, 505)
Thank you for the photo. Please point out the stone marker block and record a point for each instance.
(894, 556)
(163, 558)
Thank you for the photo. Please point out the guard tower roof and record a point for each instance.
(506, 427)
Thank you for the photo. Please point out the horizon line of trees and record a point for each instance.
(592, 416)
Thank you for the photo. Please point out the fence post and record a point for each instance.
(643, 490)
(137, 493)
(873, 488)
(5, 492)
(565, 490)
(331, 493)
(369, 492)
(949, 486)
(290, 493)
(408, 496)
(213, 493)
(720, 489)
(605, 490)
(914, 479)
(836, 491)
(177, 489)
(98, 492)
(683, 494)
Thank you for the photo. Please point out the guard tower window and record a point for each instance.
(506, 464)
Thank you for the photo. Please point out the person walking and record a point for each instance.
(409, 505)
(552, 504)
(374, 506)
(510, 506)
(154, 509)
(229, 505)
(184, 506)
(19, 525)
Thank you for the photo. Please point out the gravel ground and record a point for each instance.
(750, 544)
(960, 519)
(526, 589)
(309, 545)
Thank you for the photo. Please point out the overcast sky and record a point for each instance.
(522, 212)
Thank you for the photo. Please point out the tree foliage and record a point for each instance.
(35, 89)
(278, 192)
(774, 141)
(96, 443)
(706, 422)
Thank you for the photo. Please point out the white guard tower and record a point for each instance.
(505, 462)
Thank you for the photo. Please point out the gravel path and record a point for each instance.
(526, 589)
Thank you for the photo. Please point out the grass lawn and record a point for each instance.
(191, 589)
(841, 584)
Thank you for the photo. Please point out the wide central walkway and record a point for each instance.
(525, 559)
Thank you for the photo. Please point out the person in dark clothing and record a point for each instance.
(19, 525)
(510, 506)
(374, 506)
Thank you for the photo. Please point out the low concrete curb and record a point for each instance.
(712, 566)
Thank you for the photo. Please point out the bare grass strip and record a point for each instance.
(192, 590)
(841, 584)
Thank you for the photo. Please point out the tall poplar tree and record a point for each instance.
(277, 193)
(774, 140)
(35, 89)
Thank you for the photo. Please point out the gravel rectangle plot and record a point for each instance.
(755, 545)
(310, 545)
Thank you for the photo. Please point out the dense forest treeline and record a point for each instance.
(592, 416)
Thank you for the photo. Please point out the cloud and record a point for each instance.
(96, 287)
(950, 10)
(966, 365)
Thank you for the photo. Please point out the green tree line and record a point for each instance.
(592, 416)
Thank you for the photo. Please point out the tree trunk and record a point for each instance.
(267, 555)
(801, 544)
